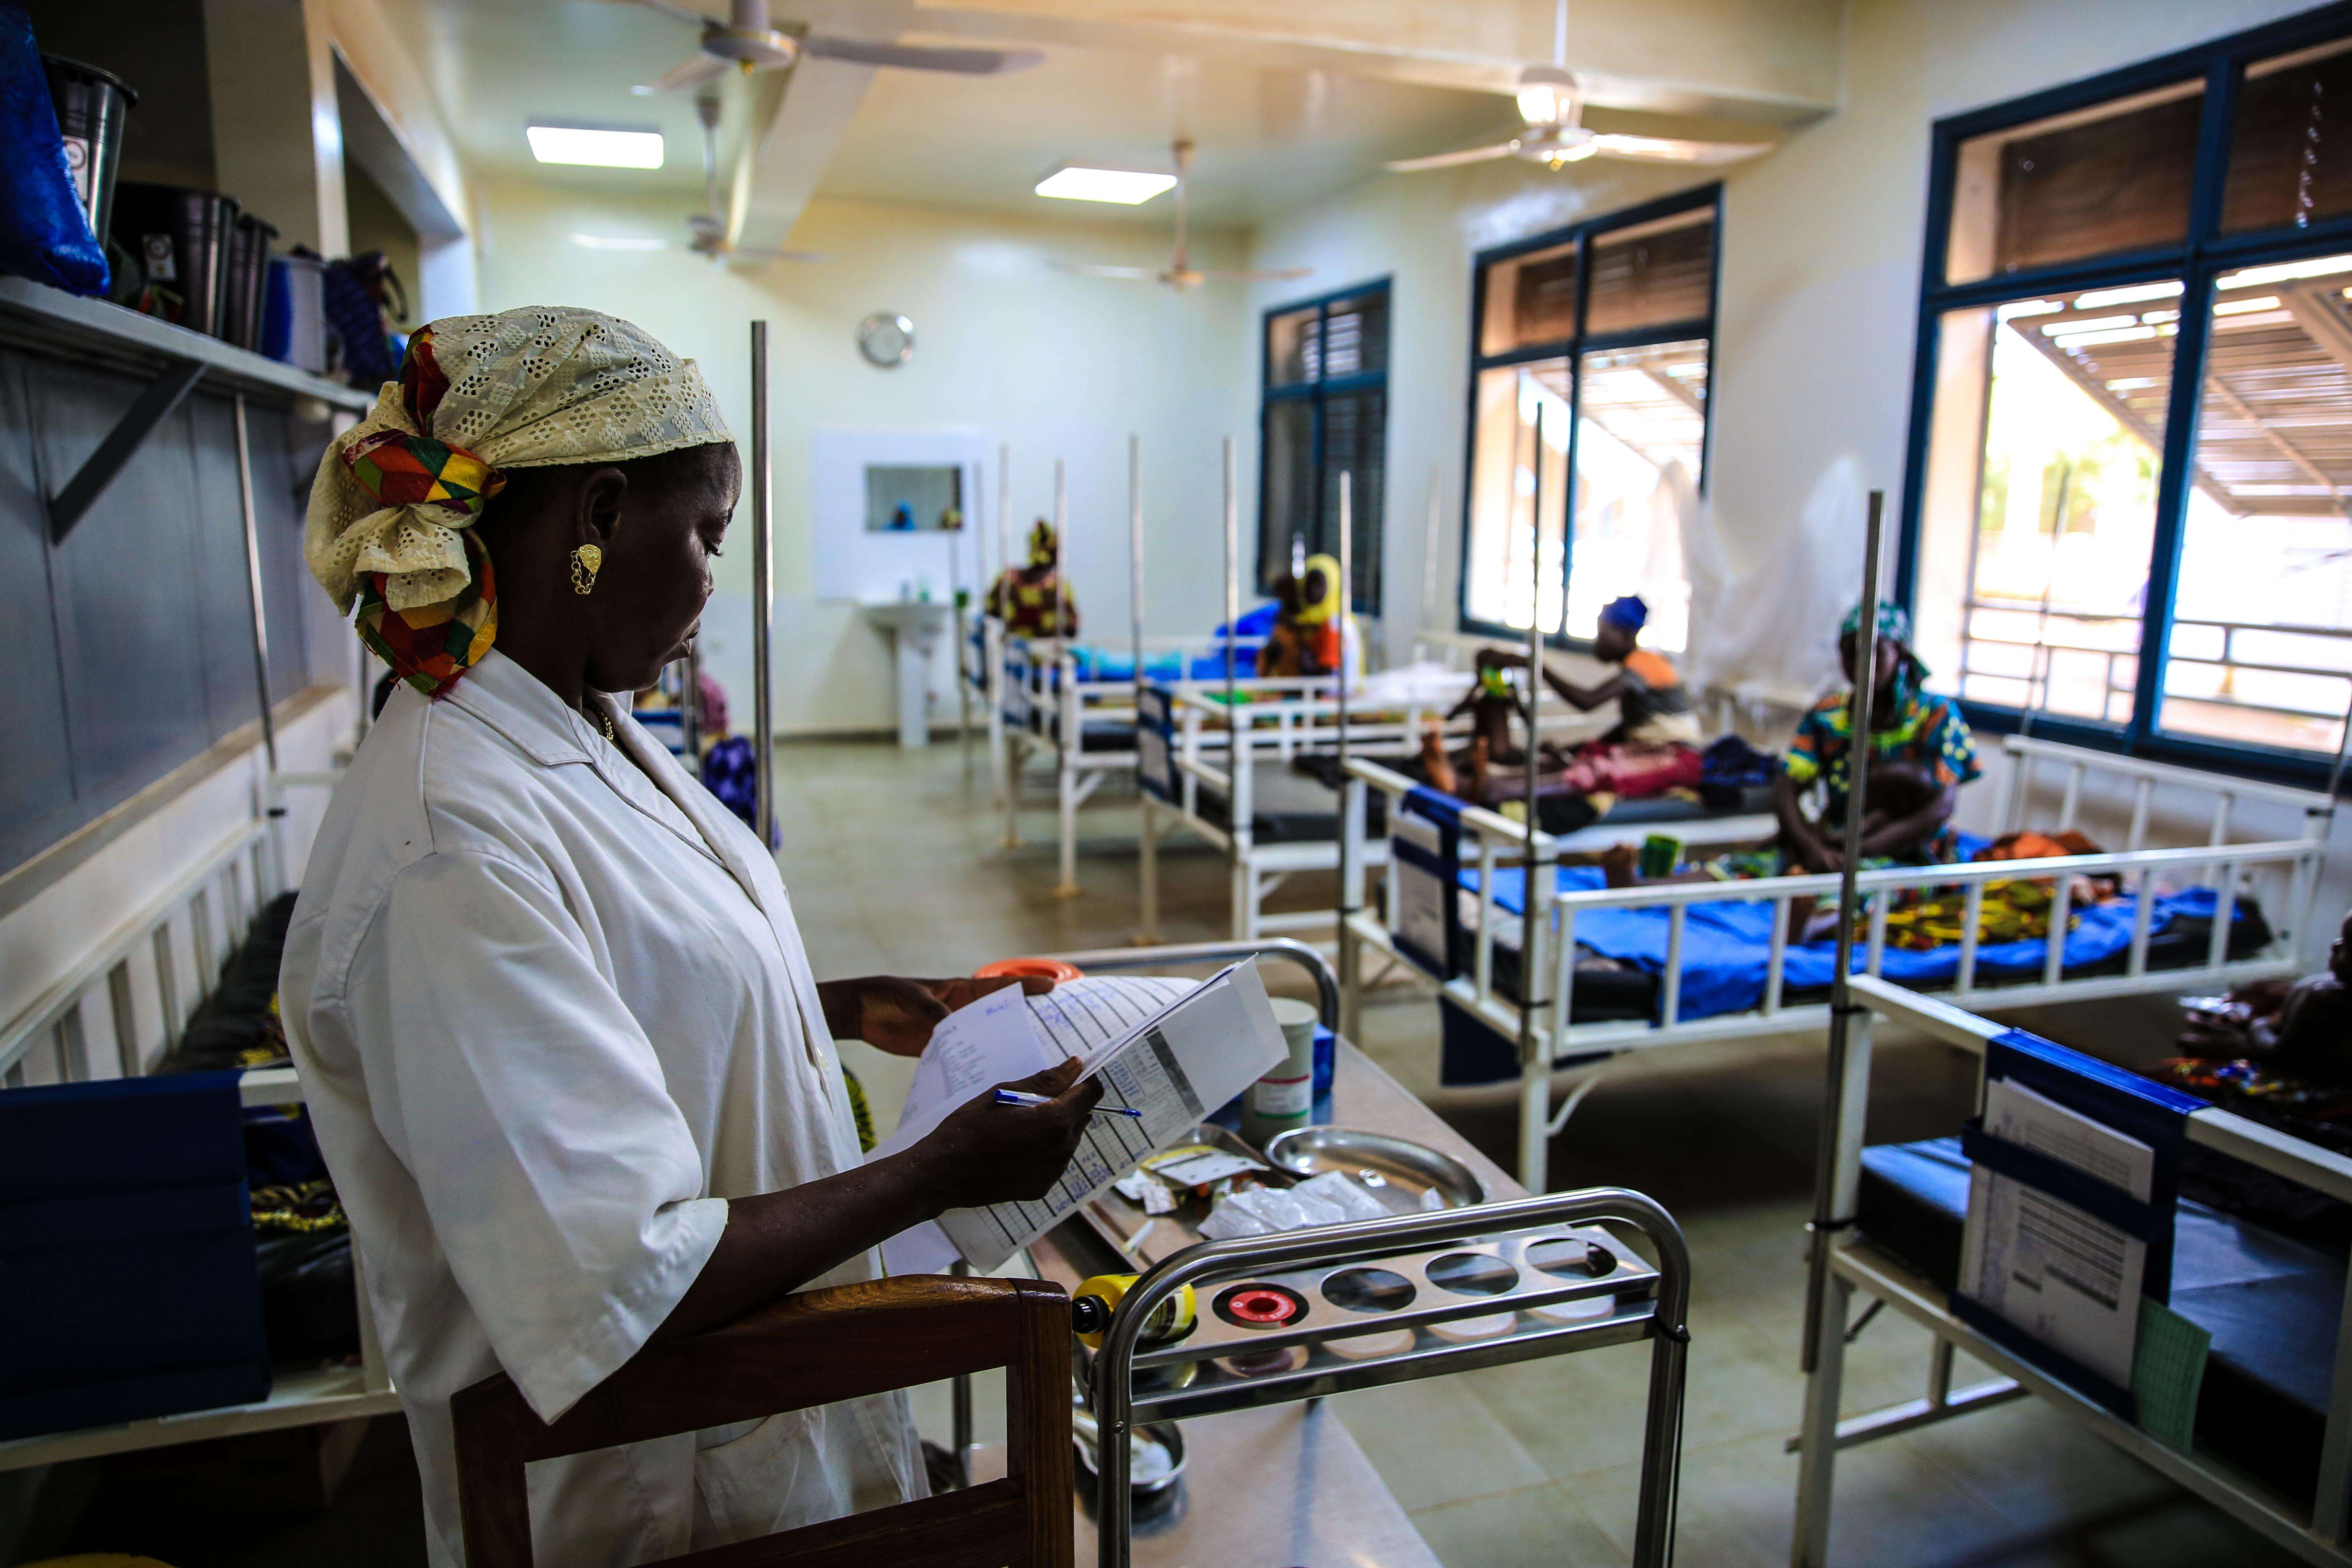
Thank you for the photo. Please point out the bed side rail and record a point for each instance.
(1494, 840)
(2031, 760)
(2229, 869)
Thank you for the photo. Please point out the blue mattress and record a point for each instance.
(1101, 663)
(1727, 947)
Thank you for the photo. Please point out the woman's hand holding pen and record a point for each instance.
(988, 1152)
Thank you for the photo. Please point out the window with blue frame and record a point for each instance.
(2130, 474)
(1325, 413)
(1602, 334)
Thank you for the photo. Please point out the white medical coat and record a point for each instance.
(550, 1017)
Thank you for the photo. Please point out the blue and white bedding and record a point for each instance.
(1727, 946)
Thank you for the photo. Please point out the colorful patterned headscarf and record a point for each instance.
(392, 510)
(1042, 546)
(1892, 622)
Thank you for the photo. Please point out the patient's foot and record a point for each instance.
(1435, 765)
(1617, 865)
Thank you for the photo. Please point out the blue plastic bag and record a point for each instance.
(44, 233)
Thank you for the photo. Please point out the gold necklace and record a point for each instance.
(608, 725)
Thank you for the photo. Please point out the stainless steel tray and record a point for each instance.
(1397, 1170)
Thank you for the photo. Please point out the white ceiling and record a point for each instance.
(1287, 99)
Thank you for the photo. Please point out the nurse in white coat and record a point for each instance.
(565, 1056)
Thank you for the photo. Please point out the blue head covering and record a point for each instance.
(1628, 613)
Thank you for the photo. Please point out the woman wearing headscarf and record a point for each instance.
(563, 1049)
(1312, 635)
(1032, 601)
(1920, 754)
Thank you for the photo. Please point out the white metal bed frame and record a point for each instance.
(1287, 718)
(1043, 707)
(1558, 1043)
(171, 949)
(2322, 1535)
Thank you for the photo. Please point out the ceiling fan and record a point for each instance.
(1550, 104)
(749, 42)
(1180, 273)
(706, 230)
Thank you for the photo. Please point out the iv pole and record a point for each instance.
(763, 740)
(1849, 1044)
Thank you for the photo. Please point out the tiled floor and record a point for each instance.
(895, 863)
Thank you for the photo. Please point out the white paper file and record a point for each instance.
(1173, 1048)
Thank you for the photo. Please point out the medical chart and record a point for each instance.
(2071, 1280)
(1171, 1049)
(1422, 893)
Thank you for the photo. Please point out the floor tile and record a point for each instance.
(1538, 1527)
(1435, 1442)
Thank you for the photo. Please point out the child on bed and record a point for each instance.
(1653, 707)
(1920, 749)
(2303, 1032)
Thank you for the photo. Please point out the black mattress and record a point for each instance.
(2270, 1302)
(1292, 805)
(1094, 734)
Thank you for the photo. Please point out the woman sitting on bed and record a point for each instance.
(1921, 753)
(1922, 733)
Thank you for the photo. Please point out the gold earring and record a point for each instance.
(587, 561)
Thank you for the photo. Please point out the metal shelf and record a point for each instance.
(93, 332)
(1881, 1276)
(296, 1399)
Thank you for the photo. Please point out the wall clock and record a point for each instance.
(885, 340)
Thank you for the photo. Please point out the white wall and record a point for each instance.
(1819, 300)
(1053, 364)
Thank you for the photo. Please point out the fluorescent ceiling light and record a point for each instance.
(2244, 307)
(615, 242)
(603, 146)
(1073, 183)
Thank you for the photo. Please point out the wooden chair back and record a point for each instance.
(809, 1350)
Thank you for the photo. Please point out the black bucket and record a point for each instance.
(90, 104)
(181, 238)
(248, 282)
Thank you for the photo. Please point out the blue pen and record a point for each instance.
(1022, 1097)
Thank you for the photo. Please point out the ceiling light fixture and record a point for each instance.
(604, 146)
(1127, 187)
(616, 242)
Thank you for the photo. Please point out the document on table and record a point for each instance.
(2070, 1280)
(1171, 1049)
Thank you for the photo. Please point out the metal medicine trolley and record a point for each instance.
(1284, 1320)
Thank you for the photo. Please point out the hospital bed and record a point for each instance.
(1275, 819)
(1233, 784)
(1072, 704)
(2271, 1440)
(1620, 970)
